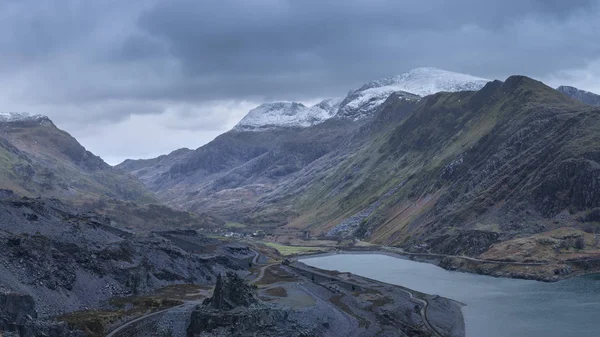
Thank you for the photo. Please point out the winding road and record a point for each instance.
(124, 326)
(261, 273)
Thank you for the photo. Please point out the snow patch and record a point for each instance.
(360, 103)
(363, 102)
(287, 114)
(19, 117)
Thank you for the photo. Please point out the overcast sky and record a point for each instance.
(136, 79)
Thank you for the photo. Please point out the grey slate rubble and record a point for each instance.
(54, 260)
(235, 310)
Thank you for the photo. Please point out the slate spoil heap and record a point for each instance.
(235, 310)
(231, 292)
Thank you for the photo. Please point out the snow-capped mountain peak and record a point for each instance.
(21, 117)
(287, 114)
(362, 102)
(580, 95)
(427, 81)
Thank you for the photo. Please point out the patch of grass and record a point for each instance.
(273, 274)
(292, 250)
(381, 301)
(277, 292)
(234, 225)
(91, 322)
(215, 236)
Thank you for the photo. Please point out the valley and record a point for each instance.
(295, 168)
(507, 172)
(497, 178)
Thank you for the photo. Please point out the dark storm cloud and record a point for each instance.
(276, 49)
(196, 64)
(308, 47)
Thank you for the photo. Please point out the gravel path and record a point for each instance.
(116, 331)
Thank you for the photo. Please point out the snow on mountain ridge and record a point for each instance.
(20, 116)
(363, 102)
(287, 114)
(360, 103)
(427, 81)
(584, 96)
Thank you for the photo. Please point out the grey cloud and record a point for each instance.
(266, 47)
(86, 62)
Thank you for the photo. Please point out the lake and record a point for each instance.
(496, 307)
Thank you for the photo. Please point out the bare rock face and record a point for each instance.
(230, 292)
(235, 310)
(18, 317)
(15, 309)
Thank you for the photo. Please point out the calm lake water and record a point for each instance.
(495, 307)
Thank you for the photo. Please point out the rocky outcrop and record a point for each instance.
(247, 322)
(235, 310)
(467, 242)
(15, 309)
(19, 318)
(231, 292)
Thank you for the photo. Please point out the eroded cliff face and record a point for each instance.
(18, 317)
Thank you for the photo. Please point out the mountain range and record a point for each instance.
(580, 95)
(360, 103)
(37, 159)
(427, 160)
(276, 142)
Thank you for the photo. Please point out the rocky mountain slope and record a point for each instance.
(463, 171)
(38, 159)
(580, 95)
(143, 218)
(453, 173)
(277, 143)
(227, 176)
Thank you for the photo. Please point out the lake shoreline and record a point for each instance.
(553, 309)
(543, 272)
(441, 315)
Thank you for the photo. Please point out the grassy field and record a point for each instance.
(291, 250)
(234, 225)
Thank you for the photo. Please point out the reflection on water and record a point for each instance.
(495, 307)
